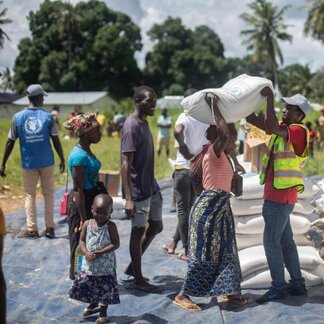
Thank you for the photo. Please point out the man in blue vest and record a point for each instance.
(35, 126)
(282, 179)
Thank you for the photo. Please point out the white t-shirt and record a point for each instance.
(194, 137)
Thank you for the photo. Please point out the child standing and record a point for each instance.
(97, 282)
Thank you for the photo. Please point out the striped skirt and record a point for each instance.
(213, 267)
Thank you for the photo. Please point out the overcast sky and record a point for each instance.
(220, 15)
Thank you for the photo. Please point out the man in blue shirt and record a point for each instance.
(35, 126)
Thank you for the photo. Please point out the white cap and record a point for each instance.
(300, 101)
(35, 90)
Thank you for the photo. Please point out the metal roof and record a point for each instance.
(67, 98)
(7, 98)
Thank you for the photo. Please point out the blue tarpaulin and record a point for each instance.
(36, 273)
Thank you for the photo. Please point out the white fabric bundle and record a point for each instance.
(252, 207)
(254, 224)
(245, 241)
(238, 98)
(262, 279)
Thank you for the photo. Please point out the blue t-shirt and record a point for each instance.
(34, 127)
(137, 138)
(79, 157)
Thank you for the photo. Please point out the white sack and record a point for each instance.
(310, 189)
(262, 279)
(252, 207)
(254, 259)
(239, 98)
(245, 241)
(254, 224)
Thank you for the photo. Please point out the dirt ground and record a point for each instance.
(10, 203)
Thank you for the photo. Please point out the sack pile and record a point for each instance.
(249, 226)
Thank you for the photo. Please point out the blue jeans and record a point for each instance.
(279, 246)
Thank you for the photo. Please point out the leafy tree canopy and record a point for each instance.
(85, 47)
(182, 58)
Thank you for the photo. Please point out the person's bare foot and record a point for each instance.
(170, 248)
(183, 257)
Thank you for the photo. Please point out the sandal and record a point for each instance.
(237, 299)
(102, 320)
(186, 303)
(90, 311)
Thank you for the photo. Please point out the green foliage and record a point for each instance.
(317, 85)
(314, 24)
(85, 47)
(182, 58)
(266, 28)
(3, 21)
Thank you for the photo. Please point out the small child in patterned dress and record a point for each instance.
(97, 282)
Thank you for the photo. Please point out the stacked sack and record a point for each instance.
(249, 225)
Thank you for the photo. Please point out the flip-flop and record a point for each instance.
(125, 278)
(90, 311)
(102, 320)
(188, 305)
(237, 299)
(166, 249)
(147, 288)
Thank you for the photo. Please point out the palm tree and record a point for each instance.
(303, 80)
(267, 27)
(3, 21)
(314, 24)
(67, 23)
(7, 81)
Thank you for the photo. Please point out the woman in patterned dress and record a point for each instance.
(97, 282)
(213, 266)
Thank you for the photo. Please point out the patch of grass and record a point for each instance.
(107, 151)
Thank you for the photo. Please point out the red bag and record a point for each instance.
(64, 205)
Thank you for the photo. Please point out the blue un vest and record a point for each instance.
(33, 129)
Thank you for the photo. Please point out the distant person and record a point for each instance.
(312, 139)
(96, 284)
(34, 127)
(164, 123)
(282, 179)
(101, 118)
(143, 197)
(320, 129)
(3, 288)
(190, 138)
(119, 121)
(84, 168)
(241, 136)
(55, 113)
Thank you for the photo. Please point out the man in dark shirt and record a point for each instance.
(140, 189)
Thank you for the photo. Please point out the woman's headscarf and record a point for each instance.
(82, 123)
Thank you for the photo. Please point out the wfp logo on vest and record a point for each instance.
(33, 125)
